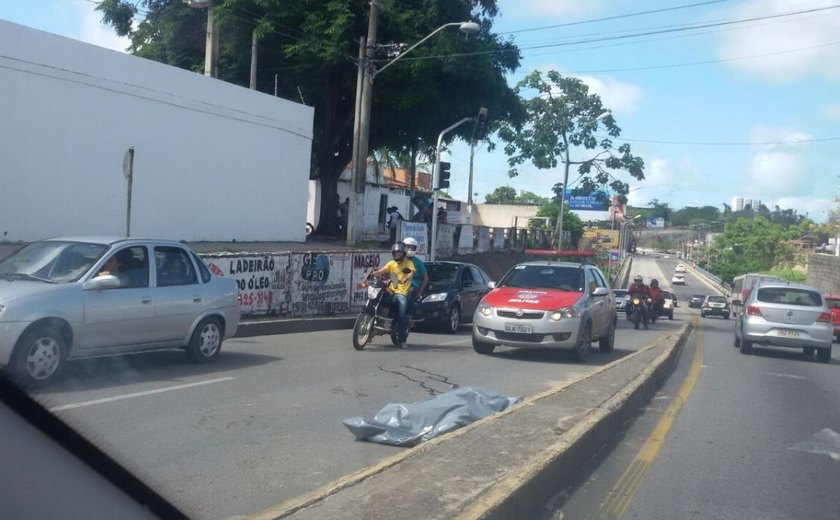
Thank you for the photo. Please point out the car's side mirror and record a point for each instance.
(491, 285)
(105, 281)
(600, 291)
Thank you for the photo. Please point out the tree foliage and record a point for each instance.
(750, 245)
(501, 195)
(690, 215)
(561, 120)
(309, 51)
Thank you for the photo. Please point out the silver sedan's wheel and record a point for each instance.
(824, 355)
(584, 344)
(40, 356)
(206, 341)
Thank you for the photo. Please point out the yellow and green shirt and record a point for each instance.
(401, 281)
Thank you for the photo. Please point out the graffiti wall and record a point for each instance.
(262, 280)
(319, 283)
(363, 261)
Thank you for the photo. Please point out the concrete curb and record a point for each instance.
(250, 328)
(521, 495)
(536, 480)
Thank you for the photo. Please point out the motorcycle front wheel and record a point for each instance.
(362, 330)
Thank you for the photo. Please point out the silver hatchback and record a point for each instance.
(783, 315)
(70, 298)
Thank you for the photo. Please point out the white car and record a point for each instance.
(680, 268)
(547, 304)
(678, 279)
(63, 299)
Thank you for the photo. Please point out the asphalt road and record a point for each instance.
(728, 437)
(263, 423)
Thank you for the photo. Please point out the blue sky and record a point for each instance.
(748, 109)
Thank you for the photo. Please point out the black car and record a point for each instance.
(696, 300)
(453, 293)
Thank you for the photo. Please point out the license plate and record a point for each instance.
(788, 333)
(518, 328)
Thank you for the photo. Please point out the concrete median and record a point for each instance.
(505, 466)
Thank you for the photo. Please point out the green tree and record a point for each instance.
(501, 195)
(562, 117)
(527, 197)
(694, 215)
(660, 210)
(309, 50)
(750, 245)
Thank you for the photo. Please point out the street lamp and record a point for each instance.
(211, 46)
(364, 98)
(435, 175)
(566, 183)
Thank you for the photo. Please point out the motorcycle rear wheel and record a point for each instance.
(362, 330)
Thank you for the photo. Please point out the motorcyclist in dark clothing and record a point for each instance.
(638, 288)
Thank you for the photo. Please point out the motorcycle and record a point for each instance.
(379, 317)
(638, 311)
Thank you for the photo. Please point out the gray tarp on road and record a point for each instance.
(400, 424)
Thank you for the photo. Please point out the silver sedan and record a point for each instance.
(63, 299)
(782, 315)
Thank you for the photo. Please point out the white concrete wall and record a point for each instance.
(503, 215)
(213, 161)
(372, 226)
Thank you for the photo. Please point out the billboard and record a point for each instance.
(656, 222)
(596, 201)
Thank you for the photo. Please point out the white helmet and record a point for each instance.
(410, 245)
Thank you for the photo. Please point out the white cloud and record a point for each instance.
(92, 30)
(616, 95)
(785, 136)
(774, 38)
(774, 173)
(559, 8)
(816, 208)
(832, 111)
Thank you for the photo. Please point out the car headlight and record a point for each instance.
(485, 309)
(566, 313)
(436, 297)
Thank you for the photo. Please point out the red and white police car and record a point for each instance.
(547, 304)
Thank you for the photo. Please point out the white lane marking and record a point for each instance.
(81, 404)
(456, 342)
(789, 376)
(824, 442)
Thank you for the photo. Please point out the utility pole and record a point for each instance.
(254, 59)
(361, 126)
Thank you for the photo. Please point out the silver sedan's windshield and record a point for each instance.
(51, 261)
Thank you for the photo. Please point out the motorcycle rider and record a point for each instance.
(638, 288)
(657, 296)
(401, 269)
(421, 276)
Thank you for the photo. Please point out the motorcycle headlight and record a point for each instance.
(373, 292)
(567, 313)
(436, 297)
(485, 309)
(636, 301)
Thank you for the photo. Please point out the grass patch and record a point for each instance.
(789, 275)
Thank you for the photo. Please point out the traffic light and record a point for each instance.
(443, 176)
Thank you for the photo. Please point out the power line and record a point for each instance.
(626, 36)
(616, 17)
(705, 62)
(725, 143)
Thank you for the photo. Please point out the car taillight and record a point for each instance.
(825, 317)
(752, 310)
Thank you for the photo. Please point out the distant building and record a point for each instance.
(740, 203)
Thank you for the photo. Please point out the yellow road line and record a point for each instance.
(622, 495)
